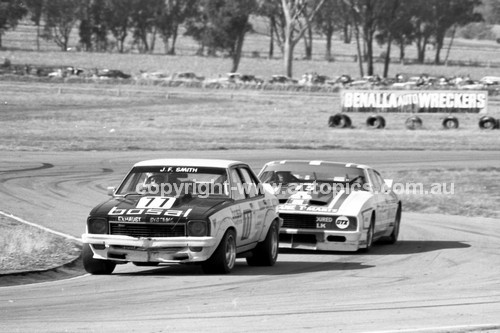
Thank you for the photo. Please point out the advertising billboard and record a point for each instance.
(449, 101)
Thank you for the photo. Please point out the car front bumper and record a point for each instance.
(153, 249)
(323, 240)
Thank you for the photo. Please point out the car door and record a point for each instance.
(250, 203)
(381, 207)
(390, 199)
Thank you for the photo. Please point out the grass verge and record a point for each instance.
(461, 192)
(26, 248)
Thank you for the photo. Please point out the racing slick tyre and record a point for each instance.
(450, 122)
(375, 122)
(266, 252)
(369, 236)
(95, 266)
(413, 123)
(487, 122)
(223, 259)
(393, 237)
(339, 121)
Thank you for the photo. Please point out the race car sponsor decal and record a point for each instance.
(179, 169)
(306, 208)
(115, 211)
(320, 209)
(129, 219)
(323, 222)
(326, 219)
(342, 222)
(161, 219)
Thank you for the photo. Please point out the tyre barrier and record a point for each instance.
(375, 122)
(488, 122)
(413, 123)
(339, 121)
(450, 122)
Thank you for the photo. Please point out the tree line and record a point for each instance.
(221, 25)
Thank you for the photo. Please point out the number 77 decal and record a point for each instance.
(247, 224)
(156, 202)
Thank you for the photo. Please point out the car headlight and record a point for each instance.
(98, 225)
(197, 228)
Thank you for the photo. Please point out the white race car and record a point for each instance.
(332, 206)
(184, 211)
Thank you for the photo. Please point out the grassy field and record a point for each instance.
(104, 117)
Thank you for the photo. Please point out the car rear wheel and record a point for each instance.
(393, 238)
(95, 266)
(223, 259)
(266, 252)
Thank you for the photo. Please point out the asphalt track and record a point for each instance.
(443, 276)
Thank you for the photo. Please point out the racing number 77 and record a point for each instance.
(247, 224)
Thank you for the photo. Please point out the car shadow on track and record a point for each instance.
(321, 261)
(242, 269)
(403, 247)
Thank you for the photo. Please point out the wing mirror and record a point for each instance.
(111, 191)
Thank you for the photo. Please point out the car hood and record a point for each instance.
(159, 209)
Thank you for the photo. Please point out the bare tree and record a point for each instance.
(298, 16)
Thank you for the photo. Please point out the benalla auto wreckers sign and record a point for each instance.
(474, 101)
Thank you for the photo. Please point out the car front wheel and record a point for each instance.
(223, 259)
(393, 238)
(369, 236)
(95, 266)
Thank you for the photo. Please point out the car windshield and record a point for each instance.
(175, 181)
(297, 173)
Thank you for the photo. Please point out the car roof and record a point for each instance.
(320, 162)
(190, 162)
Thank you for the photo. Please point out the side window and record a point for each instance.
(250, 183)
(375, 181)
(237, 192)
